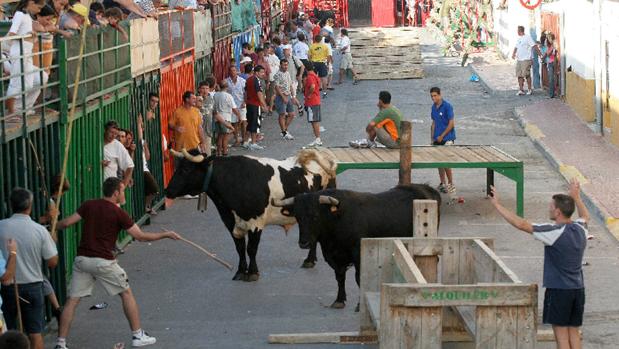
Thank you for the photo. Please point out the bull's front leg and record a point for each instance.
(241, 272)
(340, 276)
(311, 259)
(252, 250)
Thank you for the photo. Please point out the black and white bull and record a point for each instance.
(339, 219)
(243, 188)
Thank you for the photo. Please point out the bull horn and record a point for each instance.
(176, 154)
(192, 158)
(282, 203)
(328, 200)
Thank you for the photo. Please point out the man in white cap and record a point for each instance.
(244, 61)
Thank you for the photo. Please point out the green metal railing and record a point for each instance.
(203, 67)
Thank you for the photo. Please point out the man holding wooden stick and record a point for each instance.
(565, 242)
(103, 221)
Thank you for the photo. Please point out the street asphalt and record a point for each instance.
(188, 301)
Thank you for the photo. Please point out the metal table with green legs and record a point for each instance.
(457, 156)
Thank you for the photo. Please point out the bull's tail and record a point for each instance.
(305, 156)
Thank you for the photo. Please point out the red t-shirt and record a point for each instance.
(252, 87)
(316, 30)
(103, 221)
(312, 99)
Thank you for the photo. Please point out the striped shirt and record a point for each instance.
(563, 253)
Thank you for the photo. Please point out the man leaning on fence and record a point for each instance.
(117, 161)
(34, 244)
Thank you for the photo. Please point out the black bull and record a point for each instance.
(339, 219)
(243, 188)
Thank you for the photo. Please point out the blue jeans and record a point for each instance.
(551, 79)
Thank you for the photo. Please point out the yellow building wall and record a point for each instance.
(612, 113)
(579, 95)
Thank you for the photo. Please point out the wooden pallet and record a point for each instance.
(395, 74)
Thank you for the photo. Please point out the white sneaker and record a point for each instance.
(254, 146)
(143, 340)
(450, 188)
(288, 136)
(520, 93)
(316, 143)
(245, 145)
(529, 92)
(322, 129)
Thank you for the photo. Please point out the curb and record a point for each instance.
(491, 91)
(610, 223)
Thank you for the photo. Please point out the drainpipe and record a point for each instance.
(563, 73)
(598, 65)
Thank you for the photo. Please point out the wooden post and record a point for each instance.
(425, 225)
(406, 152)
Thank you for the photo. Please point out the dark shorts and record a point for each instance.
(253, 113)
(321, 69)
(31, 309)
(313, 113)
(564, 307)
(150, 184)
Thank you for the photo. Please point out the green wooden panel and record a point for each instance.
(203, 67)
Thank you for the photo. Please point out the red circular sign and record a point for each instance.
(530, 4)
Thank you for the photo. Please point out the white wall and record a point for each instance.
(610, 32)
(506, 23)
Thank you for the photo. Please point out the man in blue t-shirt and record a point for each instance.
(565, 242)
(443, 133)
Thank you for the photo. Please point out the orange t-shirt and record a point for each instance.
(190, 120)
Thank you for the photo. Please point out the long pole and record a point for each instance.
(406, 152)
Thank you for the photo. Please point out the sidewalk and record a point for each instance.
(567, 142)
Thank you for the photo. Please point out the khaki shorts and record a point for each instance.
(243, 112)
(346, 62)
(523, 69)
(384, 138)
(88, 270)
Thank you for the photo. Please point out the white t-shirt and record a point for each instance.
(119, 158)
(273, 62)
(330, 49)
(523, 47)
(300, 50)
(344, 42)
(21, 24)
(237, 90)
(144, 158)
(224, 103)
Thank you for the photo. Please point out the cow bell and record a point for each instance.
(202, 202)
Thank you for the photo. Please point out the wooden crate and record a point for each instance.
(144, 38)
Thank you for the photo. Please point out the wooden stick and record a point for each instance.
(405, 152)
(17, 298)
(212, 255)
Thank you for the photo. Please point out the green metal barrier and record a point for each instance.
(203, 67)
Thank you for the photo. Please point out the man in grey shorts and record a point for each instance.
(103, 220)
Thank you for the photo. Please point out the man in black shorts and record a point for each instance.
(565, 242)
(254, 99)
(318, 56)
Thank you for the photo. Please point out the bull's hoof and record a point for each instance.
(240, 276)
(338, 305)
(252, 277)
(357, 308)
(308, 264)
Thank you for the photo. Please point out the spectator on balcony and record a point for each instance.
(183, 4)
(74, 19)
(59, 6)
(150, 7)
(96, 14)
(186, 124)
(115, 157)
(113, 16)
(127, 6)
(34, 244)
(22, 25)
(45, 24)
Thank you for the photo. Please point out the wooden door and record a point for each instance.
(360, 12)
(383, 13)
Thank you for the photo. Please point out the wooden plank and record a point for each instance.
(404, 262)
(356, 156)
(390, 75)
(450, 261)
(369, 279)
(493, 157)
(369, 156)
(431, 328)
(380, 155)
(471, 155)
(425, 246)
(510, 157)
(501, 272)
(434, 295)
(372, 300)
(498, 154)
(485, 327)
(324, 337)
(342, 155)
(507, 327)
(466, 267)
(406, 152)
(478, 153)
(527, 326)
(392, 154)
(466, 315)
(421, 154)
(425, 218)
(453, 154)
